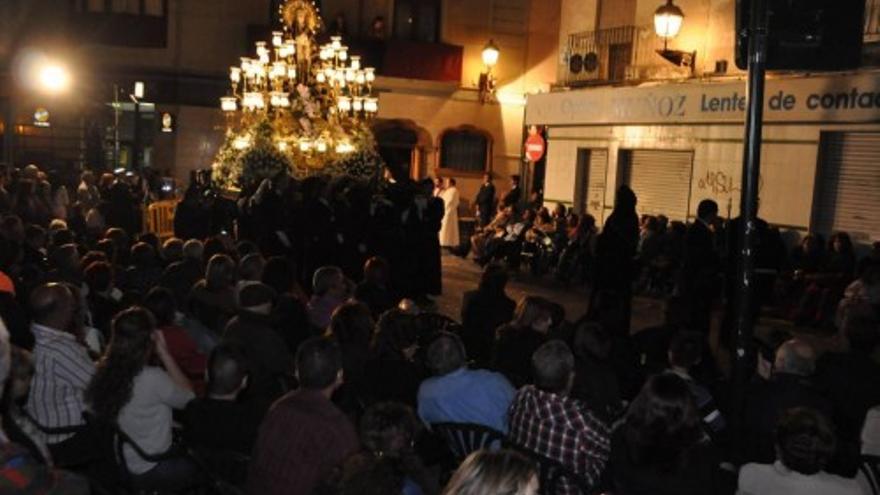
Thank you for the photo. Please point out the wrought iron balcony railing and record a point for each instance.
(609, 55)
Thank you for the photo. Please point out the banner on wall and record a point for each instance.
(840, 98)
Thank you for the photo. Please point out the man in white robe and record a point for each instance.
(449, 236)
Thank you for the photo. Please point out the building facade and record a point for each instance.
(675, 134)
(427, 52)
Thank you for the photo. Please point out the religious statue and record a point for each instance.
(303, 23)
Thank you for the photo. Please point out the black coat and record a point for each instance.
(268, 358)
(482, 312)
(512, 353)
(851, 381)
(512, 197)
(701, 261)
(616, 251)
(485, 200)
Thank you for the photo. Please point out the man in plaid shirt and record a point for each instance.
(544, 420)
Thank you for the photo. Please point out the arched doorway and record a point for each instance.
(403, 138)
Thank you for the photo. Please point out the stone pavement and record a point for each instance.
(461, 275)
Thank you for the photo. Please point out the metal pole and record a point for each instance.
(9, 129)
(115, 126)
(743, 362)
(136, 144)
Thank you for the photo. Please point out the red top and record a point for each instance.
(187, 356)
(302, 438)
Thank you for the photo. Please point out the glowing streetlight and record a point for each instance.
(490, 54)
(667, 20)
(54, 78)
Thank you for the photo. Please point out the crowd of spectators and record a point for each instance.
(287, 352)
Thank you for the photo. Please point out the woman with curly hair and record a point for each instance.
(138, 397)
(805, 444)
(388, 465)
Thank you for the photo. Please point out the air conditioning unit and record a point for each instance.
(584, 66)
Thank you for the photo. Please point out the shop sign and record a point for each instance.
(839, 98)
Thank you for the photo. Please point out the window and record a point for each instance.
(417, 20)
(465, 150)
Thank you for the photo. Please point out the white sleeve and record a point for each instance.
(168, 391)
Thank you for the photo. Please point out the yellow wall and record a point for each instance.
(438, 113)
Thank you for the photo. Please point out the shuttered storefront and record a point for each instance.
(661, 180)
(590, 188)
(596, 184)
(847, 195)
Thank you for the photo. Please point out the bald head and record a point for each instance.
(795, 357)
(52, 305)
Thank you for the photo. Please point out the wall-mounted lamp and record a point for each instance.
(667, 23)
(487, 79)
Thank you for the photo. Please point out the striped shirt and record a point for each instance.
(62, 371)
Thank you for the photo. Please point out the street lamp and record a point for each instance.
(667, 24)
(490, 56)
(34, 70)
(667, 20)
(53, 78)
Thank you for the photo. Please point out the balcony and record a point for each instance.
(626, 53)
(872, 21)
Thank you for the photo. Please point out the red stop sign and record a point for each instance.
(535, 147)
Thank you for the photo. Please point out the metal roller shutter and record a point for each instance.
(661, 180)
(596, 184)
(847, 195)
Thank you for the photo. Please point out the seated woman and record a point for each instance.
(863, 291)
(543, 221)
(508, 245)
(181, 345)
(388, 464)
(503, 471)
(577, 257)
(661, 449)
(212, 299)
(515, 342)
(483, 235)
(393, 372)
(137, 397)
(825, 287)
(375, 290)
(805, 444)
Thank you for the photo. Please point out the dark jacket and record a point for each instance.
(616, 246)
(486, 201)
(512, 353)
(701, 261)
(512, 197)
(269, 360)
(379, 299)
(766, 402)
(698, 473)
(482, 312)
(221, 425)
(851, 381)
(180, 276)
